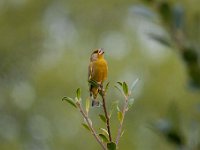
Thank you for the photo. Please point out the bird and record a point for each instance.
(97, 72)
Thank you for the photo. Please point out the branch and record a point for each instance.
(85, 116)
(121, 123)
(102, 93)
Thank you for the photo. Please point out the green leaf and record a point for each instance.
(118, 109)
(85, 126)
(130, 102)
(87, 105)
(103, 118)
(134, 84)
(94, 83)
(111, 146)
(125, 88)
(120, 116)
(103, 137)
(89, 120)
(119, 89)
(107, 85)
(70, 101)
(113, 106)
(104, 130)
(78, 93)
(122, 133)
(120, 83)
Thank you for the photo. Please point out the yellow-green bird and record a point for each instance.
(98, 71)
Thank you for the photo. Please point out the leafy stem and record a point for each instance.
(85, 116)
(101, 138)
(126, 92)
(122, 120)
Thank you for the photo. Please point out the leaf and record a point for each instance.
(118, 109)
(111, 146)
(134, 84)
(120, 83)
(76, 100)
(120, 116)
(119, 89)
(89, 120)
(130, 102)
(162, 40)
(113, 106)
(85, 126)
(107, 85)
(78, 93)
(70, 101)
(125, 88)
(103, 137)
(103, 118)
(94, 83)
(104, 130)
(122, 133)
(87, 105)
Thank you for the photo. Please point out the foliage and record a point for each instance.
(104, 138)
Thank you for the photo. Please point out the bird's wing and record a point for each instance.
(90, 71)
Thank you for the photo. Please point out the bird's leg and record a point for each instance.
(101, 90)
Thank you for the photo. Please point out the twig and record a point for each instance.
(90, 126)
(121, 123)
(102, 93)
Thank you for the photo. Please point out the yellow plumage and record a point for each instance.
(97, 71)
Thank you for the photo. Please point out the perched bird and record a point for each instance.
(97, 72)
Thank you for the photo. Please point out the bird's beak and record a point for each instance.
(100, 51)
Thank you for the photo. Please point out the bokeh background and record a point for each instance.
(45, 47)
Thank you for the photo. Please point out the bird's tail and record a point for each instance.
(95, 103)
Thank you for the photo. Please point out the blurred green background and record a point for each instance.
(45, 47)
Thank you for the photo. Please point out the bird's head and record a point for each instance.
(97, 54)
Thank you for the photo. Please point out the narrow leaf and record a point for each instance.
(87, 105)
(85, 126)
(134, 84)
(78, 93)
(119, 89)
(118, 109)
(67, 98)
(125, 88)
(103, 137)
(120, 83)
(77, 100)
(107, 85)
(70, 101)
(122, 133)
(111, 146)
(120, 116)
(104, 130)
(113, 106)
(103, 118)
(90, 121)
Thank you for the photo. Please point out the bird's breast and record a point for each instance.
(99, 70)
